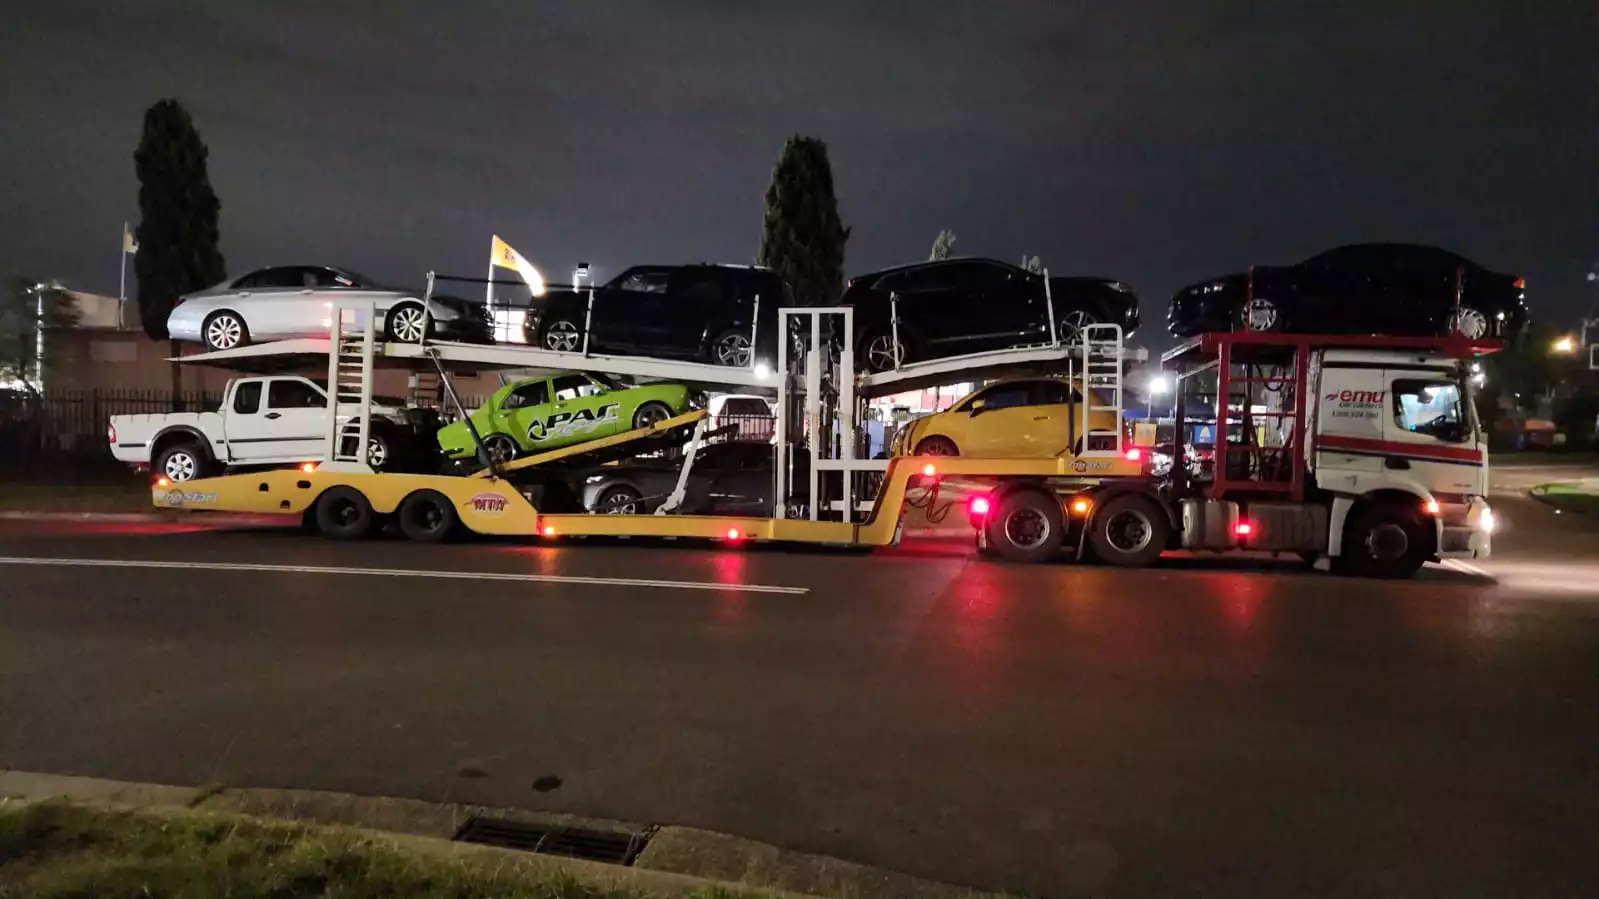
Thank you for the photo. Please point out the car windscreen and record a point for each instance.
(745, 405)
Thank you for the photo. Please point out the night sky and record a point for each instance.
(1155, 142)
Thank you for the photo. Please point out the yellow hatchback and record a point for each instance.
(1009, 419)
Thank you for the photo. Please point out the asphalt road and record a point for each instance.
(1194, 730)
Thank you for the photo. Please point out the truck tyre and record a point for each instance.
(428, 516)
(344, 514)
(1384, 540)
(1026, 527)
(185, 460)
(1130, 531)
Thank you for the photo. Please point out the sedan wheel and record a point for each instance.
(1070, 327)
(732, 349)
(407, 323)
(882, 354)
(1468, 322)
(224, 331)
(562, 336)
(377, 453)
(619, 501)
(1260, 315)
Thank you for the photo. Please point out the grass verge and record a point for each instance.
(57, 850)
(129, 494)
(1571, 496)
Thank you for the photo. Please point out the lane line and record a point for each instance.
(1467, 568)
(401, 572)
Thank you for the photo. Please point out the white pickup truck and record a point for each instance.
(262, 422)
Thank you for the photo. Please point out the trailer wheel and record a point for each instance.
(1027, 527)
(1130, 531)
(344, 514)
(1384, 540)
(428, 516)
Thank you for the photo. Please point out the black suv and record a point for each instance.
(956, 306)
(1371, 288)
(701, 312)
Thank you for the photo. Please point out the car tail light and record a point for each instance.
(1520, 284)
(111, 432)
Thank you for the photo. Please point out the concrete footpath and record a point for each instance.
(675, 861)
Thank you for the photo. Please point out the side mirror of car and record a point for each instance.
(977, 407)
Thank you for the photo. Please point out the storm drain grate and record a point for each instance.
(572, 842)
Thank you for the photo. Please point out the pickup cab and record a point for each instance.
(261, 422)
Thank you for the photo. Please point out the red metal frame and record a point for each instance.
(1222, 351)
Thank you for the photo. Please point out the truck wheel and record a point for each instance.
(427, 516)
(1027, 527)
(344, 514)
(1384, 540)
(183, 461)
(1130, 531)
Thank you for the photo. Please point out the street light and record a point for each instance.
(1158, 385)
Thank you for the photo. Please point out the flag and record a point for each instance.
(128, 246)
(501, 254)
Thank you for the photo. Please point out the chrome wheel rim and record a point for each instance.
(1468, 323)
(734, 350)
(883, 354)
(1027, 528)
(1070, 328)
(1260, 315)
(650, 415)
(561, 336)
(180, 466)
(224, 332)
(408, 323)
(500, 449)
(377, 452)
(935, 448)
(621, 504)
(1129, 531)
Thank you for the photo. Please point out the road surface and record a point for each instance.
(1197, 729)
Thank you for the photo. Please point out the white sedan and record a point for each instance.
(296, 300)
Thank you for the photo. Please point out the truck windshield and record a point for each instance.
(1434, 406)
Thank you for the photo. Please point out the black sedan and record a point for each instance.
(956, 306)
(702, 312)
(1376, 288)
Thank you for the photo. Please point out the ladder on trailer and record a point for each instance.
(352, 338)
(1099, 375)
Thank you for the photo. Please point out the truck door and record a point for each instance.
(1351, 406)
(244, 423)
(1431, 433)
(296, 413)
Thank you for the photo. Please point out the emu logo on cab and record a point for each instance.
(487, 502)
(1360, 397)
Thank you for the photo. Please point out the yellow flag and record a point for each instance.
(501, 254)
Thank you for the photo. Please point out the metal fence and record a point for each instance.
(68, 428)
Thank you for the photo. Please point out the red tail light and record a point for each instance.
(1520, 284)
(1243, 529)
(1133, 454)
(979, 506)
(111, 432)
(733, 535)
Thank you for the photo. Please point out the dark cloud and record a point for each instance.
(1156, 142)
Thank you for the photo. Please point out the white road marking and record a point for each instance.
(1467, 568)
(402, 572)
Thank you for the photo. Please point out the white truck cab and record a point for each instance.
(261, 422)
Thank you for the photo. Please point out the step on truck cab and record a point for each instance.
(1364, 450)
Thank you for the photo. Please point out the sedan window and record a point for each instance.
(571, 387)
(286, 276)
(1004, 396)
(644, 282)
(1053, 393)
(534, 394)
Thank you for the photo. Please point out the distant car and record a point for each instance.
(732, 478)
(1373, 288)
(296, 301)
(701, 312)
(1019, 418)
(751, 415)
(553, 411)
(956, 306)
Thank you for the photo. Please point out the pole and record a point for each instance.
(488, 300)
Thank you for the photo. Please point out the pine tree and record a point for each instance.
(177, 233)
(942, 245)
(802, 238)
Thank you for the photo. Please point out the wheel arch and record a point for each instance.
(171, 434)
(1345, 508)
